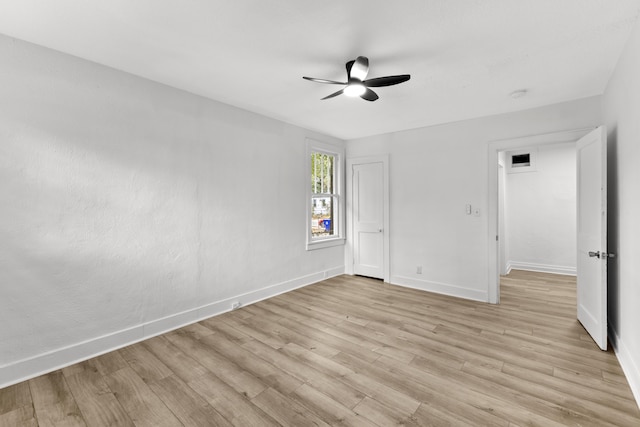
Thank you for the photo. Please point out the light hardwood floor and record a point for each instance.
(351, 351)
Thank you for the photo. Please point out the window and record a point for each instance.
(324, 201)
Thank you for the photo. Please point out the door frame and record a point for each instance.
(494, 148)
(384, 159)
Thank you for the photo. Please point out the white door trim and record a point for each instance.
(384, 159)
(494, 148)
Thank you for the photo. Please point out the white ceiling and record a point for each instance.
(465, 56)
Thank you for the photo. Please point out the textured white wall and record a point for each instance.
(621, 105)
(434, 172)
(541, 211)
(124, 202)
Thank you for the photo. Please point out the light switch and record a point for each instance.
(468, 209)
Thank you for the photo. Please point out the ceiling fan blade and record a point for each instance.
(386, 81)
(369, 95)
(333, 94)
(360, 68)
(349, 66)
(333, 82)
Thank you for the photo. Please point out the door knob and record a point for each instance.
(603, 255)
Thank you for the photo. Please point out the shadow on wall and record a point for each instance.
(613, 229)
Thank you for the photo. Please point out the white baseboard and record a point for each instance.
(440, 288)
(541, 268)
(508, 268)
(627, 363)
(32, 367)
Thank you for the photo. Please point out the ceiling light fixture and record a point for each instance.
(354, 89)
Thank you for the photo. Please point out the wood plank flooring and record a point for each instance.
(351, 351)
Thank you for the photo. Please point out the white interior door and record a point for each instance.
(592, 234)
(368, 219)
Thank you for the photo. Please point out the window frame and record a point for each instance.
(338, 238)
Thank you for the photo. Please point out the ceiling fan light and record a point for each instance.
(354, 89)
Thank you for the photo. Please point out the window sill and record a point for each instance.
(325, 243)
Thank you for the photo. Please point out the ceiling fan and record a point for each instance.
(356, 84)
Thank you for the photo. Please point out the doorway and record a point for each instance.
(537, 209)
(513, 145)
(591, 230)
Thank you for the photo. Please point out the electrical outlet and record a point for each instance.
(419, 269)
(235, 305)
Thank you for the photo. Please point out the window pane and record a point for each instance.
(322, 223)
(322, 168)
(314, 173)
(329, 172)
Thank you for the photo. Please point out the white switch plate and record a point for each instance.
(468, 209)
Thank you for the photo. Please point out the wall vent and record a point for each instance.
(521, 161)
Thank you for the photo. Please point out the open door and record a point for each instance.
(592, 234)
